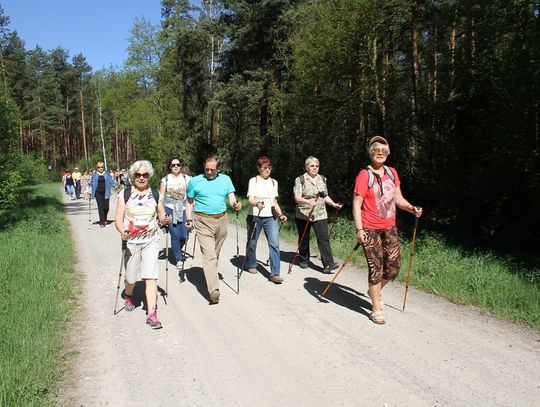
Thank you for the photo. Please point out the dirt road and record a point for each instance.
(280, 345)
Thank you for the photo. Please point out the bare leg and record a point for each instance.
(374, 291)
(129, 288)
(151, 294)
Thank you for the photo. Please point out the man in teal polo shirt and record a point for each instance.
(206, 210)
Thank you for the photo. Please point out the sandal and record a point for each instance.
(377, 317)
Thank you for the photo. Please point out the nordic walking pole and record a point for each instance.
(184, 259)
(167, 261)
(334, 222)
(237, 256)
(410, 261)
(194, 243)
(89, 212)
(291, 264)
(124, 244)
(341, 268)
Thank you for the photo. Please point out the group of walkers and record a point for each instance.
(184, 204)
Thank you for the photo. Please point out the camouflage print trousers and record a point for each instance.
(383, 256)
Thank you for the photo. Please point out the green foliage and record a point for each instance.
(11, 188)
(36, 258)
(33, 170)
(497, 285)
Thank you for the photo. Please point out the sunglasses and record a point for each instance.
(145, 175)
(175, 165)
(382, 151)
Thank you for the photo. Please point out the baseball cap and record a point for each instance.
(377, 139)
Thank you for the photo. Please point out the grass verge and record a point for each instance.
(495, 284)
(37, 279)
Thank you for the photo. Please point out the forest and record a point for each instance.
(454, 85)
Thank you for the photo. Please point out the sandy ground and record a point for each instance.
(281, 345)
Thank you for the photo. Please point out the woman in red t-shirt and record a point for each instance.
(376, 194)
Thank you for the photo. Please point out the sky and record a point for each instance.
(99, 29)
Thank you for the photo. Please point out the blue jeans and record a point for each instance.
(70, 189)
(271, 230)
(179, 236)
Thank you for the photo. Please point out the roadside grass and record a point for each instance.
(495, 284)
(37, 279)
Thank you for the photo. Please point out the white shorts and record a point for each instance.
(141, 261)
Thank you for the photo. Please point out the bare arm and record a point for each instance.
(236, 205)
(281, 216)
(361, 236)
(331, 202)
(189, 214)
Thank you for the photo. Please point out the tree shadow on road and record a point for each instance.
(338, 294)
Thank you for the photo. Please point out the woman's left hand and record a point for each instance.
(417, 211)
(338, 205)
(283, 218)
(165, 220)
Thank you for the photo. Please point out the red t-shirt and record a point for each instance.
(378, 210)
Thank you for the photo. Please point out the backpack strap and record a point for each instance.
(390, 173)
(127, 194)
(372, 175)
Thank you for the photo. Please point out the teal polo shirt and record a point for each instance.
(209, 195)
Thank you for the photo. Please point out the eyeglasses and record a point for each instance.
(210, 169)
(145, 175)
(382, 151)
(176, 165)
(314, 165)
(100, 168)
(266, 168)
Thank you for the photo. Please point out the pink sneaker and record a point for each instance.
(129, 305)
(153, 321)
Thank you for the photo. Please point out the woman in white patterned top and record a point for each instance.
(138, 215)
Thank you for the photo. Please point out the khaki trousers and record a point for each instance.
(211, 234)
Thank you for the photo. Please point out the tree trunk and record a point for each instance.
(83, 126)
(415, 83)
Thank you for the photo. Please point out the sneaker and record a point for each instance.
(214, 297)
(329, 269)
(252, 270)
(276, 279)
(153, 321)
(304, 265)
(129, 305)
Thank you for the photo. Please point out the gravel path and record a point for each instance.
(280, 345)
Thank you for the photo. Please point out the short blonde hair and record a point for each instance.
(310, 160)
